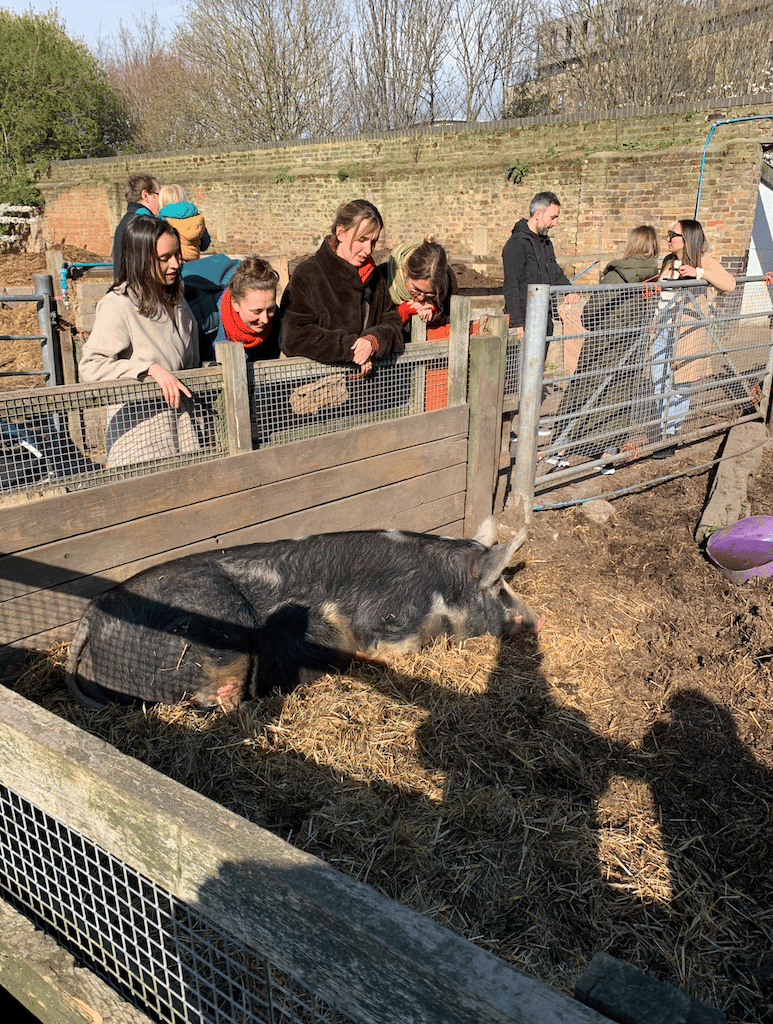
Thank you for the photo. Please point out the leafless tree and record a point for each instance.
(490, 45)
(396, 68)
(264, 70)
(639, 52)
(147, 68)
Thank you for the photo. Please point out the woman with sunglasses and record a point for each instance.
(421, 284)
(681, 350)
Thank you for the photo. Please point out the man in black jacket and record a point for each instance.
(528, 258)
(141, 192)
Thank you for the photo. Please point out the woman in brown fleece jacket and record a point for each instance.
(336, 308)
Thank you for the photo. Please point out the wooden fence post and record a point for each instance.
(230, 357)
(458, 349)
(487, 383)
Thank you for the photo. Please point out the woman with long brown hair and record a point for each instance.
(681, 349)
(145, 331)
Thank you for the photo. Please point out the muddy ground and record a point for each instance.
(605, 786)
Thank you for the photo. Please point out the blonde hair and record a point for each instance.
(169, 194)
(642, 241)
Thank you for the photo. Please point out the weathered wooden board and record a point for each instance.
(63, 551)
(374, 958)
(56, 518)
(60, 605)
(47, 980)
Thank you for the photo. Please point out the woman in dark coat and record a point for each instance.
(336, 308)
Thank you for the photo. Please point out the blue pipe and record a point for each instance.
(731, 120)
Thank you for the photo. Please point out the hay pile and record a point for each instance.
(606, 787)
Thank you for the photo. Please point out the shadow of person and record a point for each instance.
(714, 801)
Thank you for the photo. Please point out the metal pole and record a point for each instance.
(533, 347)
(44, 289)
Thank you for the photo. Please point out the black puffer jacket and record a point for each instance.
(527, 258)
(326, 308)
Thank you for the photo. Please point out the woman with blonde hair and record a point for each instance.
(248, 309)
(185, 217)
(603, 400)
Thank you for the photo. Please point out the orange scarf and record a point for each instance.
(235, 328)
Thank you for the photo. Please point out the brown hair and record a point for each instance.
(642, 241)
(428, 262)
(695, 245)
(138, 269)
(353, 214)
(252, 273)
(137, 184)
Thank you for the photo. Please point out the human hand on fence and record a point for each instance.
(572, 298)
(171, 387)
(362, 351)
(423, 310)
(687, 271)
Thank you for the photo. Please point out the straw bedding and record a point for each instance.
(607, 786)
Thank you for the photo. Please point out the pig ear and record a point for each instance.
(494, 562)
(487, 532)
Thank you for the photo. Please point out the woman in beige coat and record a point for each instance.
(145, 331)
(682, 348)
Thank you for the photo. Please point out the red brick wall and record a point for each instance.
(611, 171)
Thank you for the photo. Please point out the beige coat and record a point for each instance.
(124, 344)
(694, 336)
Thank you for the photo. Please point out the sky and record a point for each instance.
(88, 23)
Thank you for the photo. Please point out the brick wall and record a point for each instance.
(612, 170)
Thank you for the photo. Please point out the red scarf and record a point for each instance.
(366, 269)
(235, 328)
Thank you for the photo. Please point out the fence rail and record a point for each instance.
(200, 917)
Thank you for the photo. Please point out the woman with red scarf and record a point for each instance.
(248, 309)
(336, 308)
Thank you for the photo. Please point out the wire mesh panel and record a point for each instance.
(153, 949)
(70, 439)
(292, 399)
(648, 368)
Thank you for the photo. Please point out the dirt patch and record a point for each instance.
(18, 354)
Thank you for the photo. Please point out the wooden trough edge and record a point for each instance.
(372, 957)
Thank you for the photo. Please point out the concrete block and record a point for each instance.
(741, 455)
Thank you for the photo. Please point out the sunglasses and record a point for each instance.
(674, 234)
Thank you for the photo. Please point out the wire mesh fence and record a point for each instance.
(644, 369)
(157, 951)
(292, 399)
(80, 437)
(83, 436)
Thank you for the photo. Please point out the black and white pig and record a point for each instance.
(220, 628)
